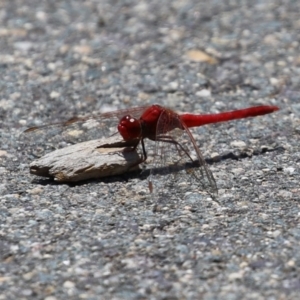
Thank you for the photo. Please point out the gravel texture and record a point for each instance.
(106, 239)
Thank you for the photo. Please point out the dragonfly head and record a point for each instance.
(129, 128)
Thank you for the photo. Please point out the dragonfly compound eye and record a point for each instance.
(129, 128)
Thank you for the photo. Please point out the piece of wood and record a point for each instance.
(87, 160)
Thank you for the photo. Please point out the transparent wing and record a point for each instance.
(42, 139)
(178, 164)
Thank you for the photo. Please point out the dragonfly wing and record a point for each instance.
(202, 171)
(46, 138)
(178, 163)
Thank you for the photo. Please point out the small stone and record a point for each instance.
(3, 153)
(69, 284)
(51, 66)
(64, 49)
(288, 170)
(238, 171)
(203, 93)
(3, 279)
(83, 49)
(238, 144)
(214, 155)
(22, 122)
(43, 214)
(15, 96)
(200, 56)
(27, 292)
(28, 276)
(274, 81)
(291, 263)
(235, 276)
(50, 298)
(41, 15)
(35, 191)
(23, 46)
(54, 95)
(285, 194)
(274, 233)
(75, 133)
(173, 85)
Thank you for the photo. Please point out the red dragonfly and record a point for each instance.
(175, 149)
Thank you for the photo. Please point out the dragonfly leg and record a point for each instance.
(169, 139)
(144, 157)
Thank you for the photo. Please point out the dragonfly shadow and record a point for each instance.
(166, 170)
(241, 154)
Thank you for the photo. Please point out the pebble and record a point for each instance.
(54, 95)
(3, 153)
(69, 284)
(23, 46)
(238, 144)
(203, 93)
(50, 298)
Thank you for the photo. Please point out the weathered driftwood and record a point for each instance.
(87, 160)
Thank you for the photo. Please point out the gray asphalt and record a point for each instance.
(107, 239)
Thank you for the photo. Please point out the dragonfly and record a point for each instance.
(175, 151)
